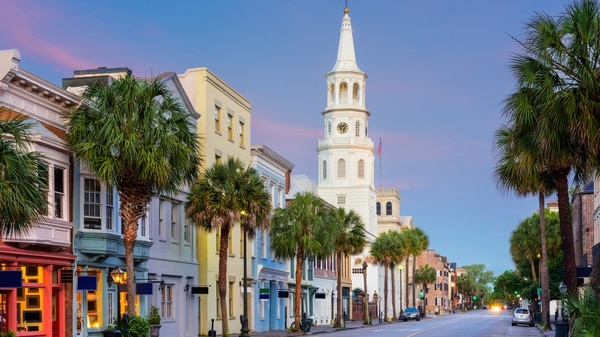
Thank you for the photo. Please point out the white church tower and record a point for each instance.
(346, 153)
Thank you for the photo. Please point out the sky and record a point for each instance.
(437, 77)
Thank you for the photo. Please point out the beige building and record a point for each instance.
(224, 129)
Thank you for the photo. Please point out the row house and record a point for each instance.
(436, 295)
(271, 274)
(36, 269)
(224, 129)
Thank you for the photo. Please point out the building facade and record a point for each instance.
(224, 130)
(271, 274)
(37, 268)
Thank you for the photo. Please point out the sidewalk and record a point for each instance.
(313, 330)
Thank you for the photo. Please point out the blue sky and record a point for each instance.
(438, 73)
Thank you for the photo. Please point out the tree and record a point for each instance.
(415, 241)
(23, 180)
(397, 240)
(349, 239)
(302, 230)
(382, 250)
(226, 194)
(560, 59)
(134, 135)
(425, 275)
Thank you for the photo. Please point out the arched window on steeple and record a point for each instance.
(324, 170)
(328, 128)
(331, 98)
(341, 169)
(388, 208)
(378, 208)
(343, 93)
(355, 92)
(357, 129)
(361, 168)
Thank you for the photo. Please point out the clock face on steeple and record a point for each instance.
(342, 127)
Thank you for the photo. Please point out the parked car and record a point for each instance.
(410, 313)
(522, 316)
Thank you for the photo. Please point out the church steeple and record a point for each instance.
(346, 59)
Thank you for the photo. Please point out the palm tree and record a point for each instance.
(382, 250)
(415, 241)
(23, 180)
(397, 240)
(560, 61)
(301, 230)
(425, 275)
(226, 194)
(136, 136)
(349, 240)
(366, 260)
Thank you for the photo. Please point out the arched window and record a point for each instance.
(331, 94)
(324, 169)
(355, 91)
(341, 168)
(357, 129)
(378, 208)
(343, 93)
(361, 168)
(329, 128)
(388, 208)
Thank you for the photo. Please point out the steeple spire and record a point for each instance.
(346, 59)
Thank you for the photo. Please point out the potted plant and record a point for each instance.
(153, 319)
(8, 333)
(137, 327)
(111, 331)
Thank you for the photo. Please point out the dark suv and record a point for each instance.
(410, 313)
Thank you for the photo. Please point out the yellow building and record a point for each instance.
(224, 129)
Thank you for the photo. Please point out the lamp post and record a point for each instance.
(118, 276)
(400, 286)
(245, 330)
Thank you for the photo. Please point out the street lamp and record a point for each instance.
(400, 285)
(562, 287)
(245, 330)
(118, 276)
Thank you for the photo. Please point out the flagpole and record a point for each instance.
(380, 157)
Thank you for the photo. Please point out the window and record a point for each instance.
(357, 129)
(341, 199)
(242, 133)
(378, 208)
(263, 244)
(166, 301)
(161, 220)
(231, 292)
(341, 168)
(218, 159)
(329, 128)
(91, 204)
(388, 208)
(110, 205)
(324, 169)
(217, 118)
(361, 168)
(110, 303)
(143, 226)
(59, 192)
(230, 127)
(175, 216)
(186, 232)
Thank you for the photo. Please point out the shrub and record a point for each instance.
(154, 316)
(138, 327)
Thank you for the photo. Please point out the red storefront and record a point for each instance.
(42, 305)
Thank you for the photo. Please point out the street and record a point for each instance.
(477, 323)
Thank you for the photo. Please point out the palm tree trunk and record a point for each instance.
(338, 262)
(223, 254)
(385, 291)
(532, 266)
(544, 267)
(366, 299)
(394, 313)
(298, 290)
(566, 228)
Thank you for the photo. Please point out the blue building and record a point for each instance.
(270, 275)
